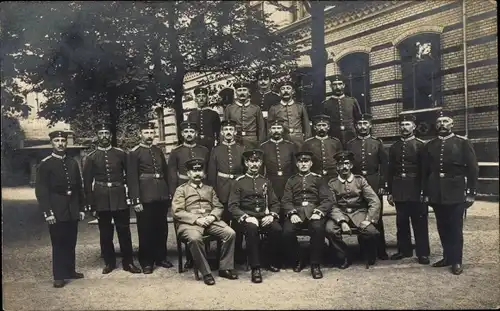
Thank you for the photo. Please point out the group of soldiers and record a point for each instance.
(263, 169)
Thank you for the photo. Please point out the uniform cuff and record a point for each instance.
(49, 213)
(471, 192)
(317, 211)
(275, 215)
(290, 213)
(87, 208)
(242, 218)
(135, 201)
(214, 217)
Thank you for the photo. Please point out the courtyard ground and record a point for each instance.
(27, 284)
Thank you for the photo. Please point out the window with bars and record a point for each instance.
(355, 69)
(420, 57)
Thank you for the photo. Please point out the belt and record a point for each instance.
(182, 176)
(109, 184)
(199, 210)
(224, 175)
(65, 192)
(243, 133)
(149, 175)
(365, 173)
(277, 173)
(442, 174)
(407, 174)
(295, 131)
(207, 137)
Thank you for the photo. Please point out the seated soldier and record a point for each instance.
(254, 205)
(358, 206)
(306, 202)
(198, 210)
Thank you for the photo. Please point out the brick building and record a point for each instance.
(417, 56)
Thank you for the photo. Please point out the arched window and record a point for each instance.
(355, 69)
(420, 65)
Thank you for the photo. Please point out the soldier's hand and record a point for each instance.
(82, 215)
(210, 219)
(381, 191)
(315, 217)
(364, 224)
(253, 220)
(50, 220)
(390, 200)
(267, 220)
(425, 199)
(95, 214)
(469, 199)
(138, 208)
(295, 219)
(202, 222)
(345, 228)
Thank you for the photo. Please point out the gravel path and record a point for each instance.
(405, 284)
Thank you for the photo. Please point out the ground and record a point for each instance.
(396, 285)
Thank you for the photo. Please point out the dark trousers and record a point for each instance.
(106, 231)
(63, 236)
(251, 232)
(238, 241)
(450, 223)
(316, 230)
(381, 244)
(153, 230)
(417, 213)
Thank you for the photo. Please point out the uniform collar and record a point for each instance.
(304, 175)
(58, 156)
(204, 108)
(291, 102)
(195, 186)
(145, 146)
(188, 145)
(364, 137)
(242, 104)
(264, 93)
(349, 179)
(229, 144)
(252, 176)
(408, 138)
(447, 136)
(338, 97)
(276, 141)
(321, 138)
(105, 148)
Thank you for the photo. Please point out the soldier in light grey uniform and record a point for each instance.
(198, 211)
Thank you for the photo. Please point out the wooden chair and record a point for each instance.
(206, 238)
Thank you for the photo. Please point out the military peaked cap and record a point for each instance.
(147, 126)
(104, 126)
(228, 123)
(264, 73)
(188, 125)
(277, 122)
(195, 164)
(407, 117)
(307, 155)
(199, 90)
(58, 133)
(240, 84)
(366, 117)
(321, 118)
(252, 154)
(336, 78)
(445, 113)
(344, 155)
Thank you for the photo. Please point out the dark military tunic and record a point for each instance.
(404, 180)
(404, 171)
(249, 123)
(370, 160)
(208, 123)
(59, 188)
(279, 163)
(107, 168)
(295, 120)
(344, 111)
(147, 174)
(265, 101)
(176, 169)
(305, 194)
(224, 166)
(450, 170)
(323, 149)
(248, 194)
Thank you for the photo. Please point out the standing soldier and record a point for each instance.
(248, 117)
(264, 97)
(59, 193)
(188, 150)
(450, 173)
(206, 119)
(404, 180)
(106, 168)
(292, 113)
(370, 161)
(148, 192)
(306, 202)
(279, 158)
(254, 205)
(343, 110)
(357, 206)
(323, 148)
(225, 165)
